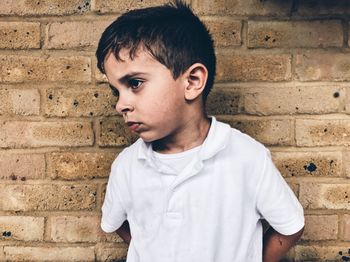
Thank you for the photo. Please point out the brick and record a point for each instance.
(19, 35)
(76, 165)
(63, 35)
(19, 102)
(110, 252)
(326, 132)
(18, 69)
(44, 7)
(23, 228)
(346, 227)
(47, 197)
(223, 101)
(267, 131)
(301, 100)
(320, 253)
(114, 132)
(100, 78)
(16, 134)
(80, 102)
(323, 67)
(323, 7)
(120, 6)
(320, 227)
(22, 166)
(225, 32)
(20, 253)
(294, 34)
(347, 100)
(309, 164)
(253, 67)
(346, 161)
(243, 7)
(325, 196)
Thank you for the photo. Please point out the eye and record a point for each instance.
(115, 91)
(135, 83)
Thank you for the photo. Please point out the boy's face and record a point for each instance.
(150, 100)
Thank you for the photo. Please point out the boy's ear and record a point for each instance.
(196, 77)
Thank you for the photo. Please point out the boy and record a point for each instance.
(191, 188)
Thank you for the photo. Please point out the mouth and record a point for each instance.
(133, 126)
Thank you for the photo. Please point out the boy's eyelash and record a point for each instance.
(115, 92)
(135, 83)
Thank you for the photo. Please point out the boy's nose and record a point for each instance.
(123, 108)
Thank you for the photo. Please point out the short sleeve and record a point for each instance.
(276, 202)
(113, 212)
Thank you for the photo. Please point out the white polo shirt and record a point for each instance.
(212, 210)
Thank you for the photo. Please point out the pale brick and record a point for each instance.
(301, 100)
(320, 227)
(22, 166)
(346, 227)
(62, 35)
(346, 161)
(253, 67)
(80, 102)
(267, 131)
(325, 196)
(76, 165)
(347, 101)
(313, 164)
(47, 197)
(101, 78)
(294, 34)
(120, 6)
(17, 69)
(225, 32)
(18, 253)
(243, 7)
(323, 7)
(114, 132)
(110, 252)
(15, 134)
(24, 228)
(323, 67)
(320, 253)
(19, 102)
(327, 132)
(223, 101)
(19, 35)
(43, 7)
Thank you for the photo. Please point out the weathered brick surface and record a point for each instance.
(19, 35)
(16, 134)
(19, 253)
(320, 227)
(290, 34)
(311, 164)
(47, 197)
(19, 102)
(226, 32)
(309, 8)
(253, 67)
(320, 253)
(317, 132)
(241, 7)
(223, 102)
(346, 227)
(120, 6)
(80, 101)
(109, 252)
(17, 69)
(25, 228)
(76, 165)
(324, 67)
(62, 35)
(21, 166)
(44, 7)
(325, 196)
(346, 160)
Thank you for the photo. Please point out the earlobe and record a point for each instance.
(196, 78)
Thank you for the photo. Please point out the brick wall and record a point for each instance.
(283, 77)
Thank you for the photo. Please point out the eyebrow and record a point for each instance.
(129, 76)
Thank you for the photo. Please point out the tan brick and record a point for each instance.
(101, 78)
(120, 6)
(327, 132)
(16, 134)
(62, 35)
(44, 7)
(22, 166)
(323, 7)
(225, 32)
(24, 228)
(114, 132)
(242, 7)
(80, 102)
(346, 227)
(293, 34)
(267, 131)
(320, 253)
(223, 101)
(324, 67)
(76, 165)
(19, 102)
(110, 252)
(325, 196)
(346, 161)
(253, 67)
(301, 100)
(320, 227)
(19, 35)
(17, 69)
(19, 253)
(315, 164)
(347, 100)
(47, 197)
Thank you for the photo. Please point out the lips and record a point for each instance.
(133, 126)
